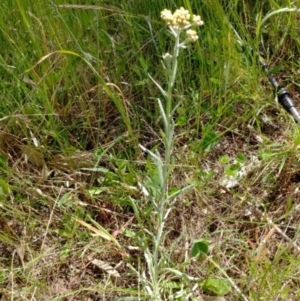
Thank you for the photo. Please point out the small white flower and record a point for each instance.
(181, 21)
(167, 57)
(178, 20)
(192, 35)
(181, 17)
(167, 16)
(197, 20)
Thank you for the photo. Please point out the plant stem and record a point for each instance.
(168, 145)
(169, 127)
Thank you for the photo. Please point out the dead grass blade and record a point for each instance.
(99, 231)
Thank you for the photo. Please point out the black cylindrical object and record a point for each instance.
(286, 101)
(283, 95)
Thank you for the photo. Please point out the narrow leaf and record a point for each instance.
(163, 92)
(99, 231)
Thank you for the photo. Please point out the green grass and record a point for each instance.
(77, 101)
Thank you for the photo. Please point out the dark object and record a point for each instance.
(283, 95)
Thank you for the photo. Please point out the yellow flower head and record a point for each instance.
(180, 19)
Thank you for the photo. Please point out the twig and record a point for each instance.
(50, 218)
(258, 214)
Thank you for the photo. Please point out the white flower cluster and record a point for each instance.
(181, 20)
(192, 35)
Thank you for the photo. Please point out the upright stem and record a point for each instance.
(168, 144)
(170, 123)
